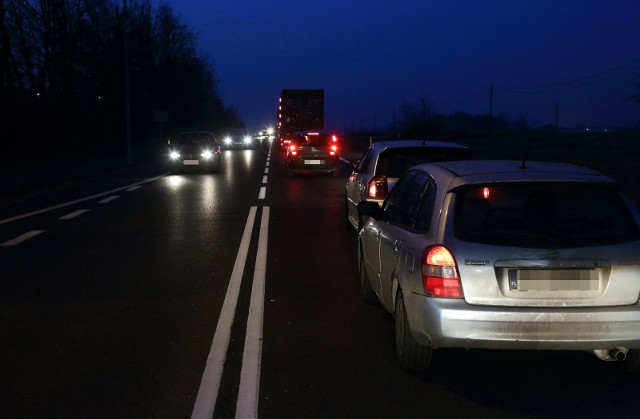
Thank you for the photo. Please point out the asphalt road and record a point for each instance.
(229, 294)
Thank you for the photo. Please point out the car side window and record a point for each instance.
(364, 162)
(401, 206)
(425, 210)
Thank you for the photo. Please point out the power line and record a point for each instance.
(577, 83)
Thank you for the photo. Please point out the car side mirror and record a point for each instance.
(370, 209)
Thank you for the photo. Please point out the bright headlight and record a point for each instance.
(207, 154)
(174, 155)
(227, 140)
(247, 140)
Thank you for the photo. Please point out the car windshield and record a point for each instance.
(543, 214)
(194, 139)
(394, 161)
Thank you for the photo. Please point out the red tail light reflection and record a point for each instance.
(378, 187)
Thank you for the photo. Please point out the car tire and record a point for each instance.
(367, 293)
(412, 356)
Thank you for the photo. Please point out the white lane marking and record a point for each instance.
(109, 199)
(266, 171)
(21, 238)
(77, 201)
(205, 403)
(248, 393)
(73, 214)
(263, 192)
(133, 188)
(264, 179)
(267, 163)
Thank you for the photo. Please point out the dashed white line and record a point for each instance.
(266, 171)
(109, 199)
(133, 188)
(73, 214)
(26, 236)
(77, 201)
(263, 192)
(264, 180)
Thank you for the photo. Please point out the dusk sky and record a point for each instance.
(372, 56)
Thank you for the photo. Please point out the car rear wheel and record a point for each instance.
(366, 292)
(412, 355)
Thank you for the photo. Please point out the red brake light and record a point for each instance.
(293, 149)
(439, 273)
(334, 138)
(333, 149)
(378, 187)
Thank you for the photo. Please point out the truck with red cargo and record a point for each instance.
(299, 110)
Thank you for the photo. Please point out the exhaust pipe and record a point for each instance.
(617, 354)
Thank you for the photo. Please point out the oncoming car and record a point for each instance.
(382, 164)
(505, 255)
(313, 151)
(238, 138)
(194, 150)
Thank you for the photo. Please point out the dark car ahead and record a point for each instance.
(313, 151)
(195, 150)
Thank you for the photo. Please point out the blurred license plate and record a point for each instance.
(553, 280)
(191, 162)
(314, 162)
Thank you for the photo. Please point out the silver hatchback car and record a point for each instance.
(382, 164)
(505, 255)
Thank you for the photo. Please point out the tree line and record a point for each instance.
(65, 65)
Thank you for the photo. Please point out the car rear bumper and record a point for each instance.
(312, 164)
(456, 324)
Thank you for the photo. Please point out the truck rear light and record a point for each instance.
(439, 273)
(378, 187)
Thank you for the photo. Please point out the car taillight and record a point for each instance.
(378, 187)
(293, 149)
(439, 273)
(333, 150)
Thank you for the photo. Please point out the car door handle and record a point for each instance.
(396, 246)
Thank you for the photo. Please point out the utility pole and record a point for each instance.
(127, 92)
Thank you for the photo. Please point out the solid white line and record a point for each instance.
(66, 204)
(21, 238)
(73, 214)
(263, 192)
(249, 390)
(109, 199)
(205, 403)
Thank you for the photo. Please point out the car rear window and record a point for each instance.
(313, 140)
(394, 161)
(566, 214)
